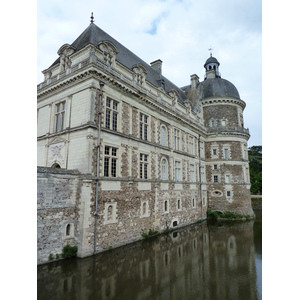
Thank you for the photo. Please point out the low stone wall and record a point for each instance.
(57, 193)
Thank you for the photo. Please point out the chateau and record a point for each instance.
(122, 149)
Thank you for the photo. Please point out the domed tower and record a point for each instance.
(226, 155)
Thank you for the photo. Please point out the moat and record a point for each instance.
(220, 260)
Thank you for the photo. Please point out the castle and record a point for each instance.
(121, 149)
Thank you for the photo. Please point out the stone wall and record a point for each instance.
(57, 193)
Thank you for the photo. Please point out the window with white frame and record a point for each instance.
(143, 166)
(226, 153)
(164, 171)
(60, 116)
(110, 161)
(177, 170)
(192, 173)
(111, 114)
(216, 178)
(214, 152)
(227, 178)
(163, 135)
(176, 139)
(144, 126)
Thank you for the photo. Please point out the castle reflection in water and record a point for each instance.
(197, 262)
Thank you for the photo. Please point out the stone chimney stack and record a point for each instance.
(194, 81)
(157, 66)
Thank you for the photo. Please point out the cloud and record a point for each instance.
(177, 32)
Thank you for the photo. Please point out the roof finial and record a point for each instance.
(92, 19)
(210, 51)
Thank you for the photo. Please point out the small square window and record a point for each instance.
(228, 193)
(215, 167)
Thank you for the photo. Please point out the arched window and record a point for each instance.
(56, 165)
(144, 208)
(164, 169)
(68, 229)
(109, 213)
(166, 205)
(163, 136)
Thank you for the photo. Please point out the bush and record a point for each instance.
(69, 251)
(151, 232)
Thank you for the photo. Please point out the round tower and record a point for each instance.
(226, 151)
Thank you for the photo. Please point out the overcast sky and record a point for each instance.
(179, 32)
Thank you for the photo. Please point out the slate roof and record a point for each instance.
(94, 35)
(218, 87)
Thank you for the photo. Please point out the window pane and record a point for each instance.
(106, 166)
(108, 102)
(107, 120)
(114, 121)
(114, 151)
(115, 105)
(106, 151)
(113, 167)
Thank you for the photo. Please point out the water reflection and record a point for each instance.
(216, 261)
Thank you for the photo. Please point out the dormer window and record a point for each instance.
(65, 51)
(109, 52)
(139, 74)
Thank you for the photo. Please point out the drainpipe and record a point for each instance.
(98, 155)
(200, 181)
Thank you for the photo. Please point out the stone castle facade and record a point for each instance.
(121, 149)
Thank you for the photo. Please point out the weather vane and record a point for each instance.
(92, 18)
(210, 50)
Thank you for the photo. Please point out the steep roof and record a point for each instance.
(94, 35)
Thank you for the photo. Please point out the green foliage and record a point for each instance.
(51, 256)
(212, 214)
(226, 215)
(69, 251)
(255, 165)
(150, 233)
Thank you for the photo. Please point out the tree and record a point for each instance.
(255, 165)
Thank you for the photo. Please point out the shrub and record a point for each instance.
(51, 256)
(151, 232)
(69, 251)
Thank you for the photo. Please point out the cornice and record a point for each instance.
(215, 101)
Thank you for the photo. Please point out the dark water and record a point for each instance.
(203, 261)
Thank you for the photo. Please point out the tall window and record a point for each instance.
(163, 136)
(110, 161)
(111, 117)
(226, 153)
(164, 169)
(176, 139)
(60, 116)
(143, 126)
(215, 178)
(191, 145)
(192, 173)
(177, 171)
(143, 166)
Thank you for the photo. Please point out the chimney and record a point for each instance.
(194, 81)
(157, 66)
